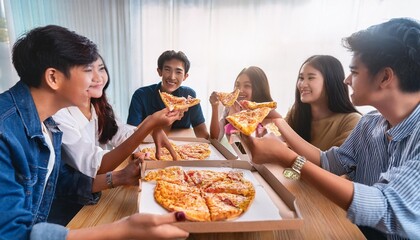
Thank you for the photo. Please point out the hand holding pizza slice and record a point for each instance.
(228, 99)
(178, 103)
(246, 121)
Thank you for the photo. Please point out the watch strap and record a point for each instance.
(108, 178)
(298, 163)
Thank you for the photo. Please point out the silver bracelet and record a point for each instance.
(109, 180)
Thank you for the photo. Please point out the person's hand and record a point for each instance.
(269, 149)
(161, 140)
(152, 226)
(140, 156)
(165, 117)
(214, 100)
(131, 173)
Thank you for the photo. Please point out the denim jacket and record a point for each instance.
(24, 200)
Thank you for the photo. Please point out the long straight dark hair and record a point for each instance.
(337, 92)
(107, 125)
(259, 83)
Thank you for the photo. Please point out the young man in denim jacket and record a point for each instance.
(55, 68)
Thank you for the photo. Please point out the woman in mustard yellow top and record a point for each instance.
(322, 113)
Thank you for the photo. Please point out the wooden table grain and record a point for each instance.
(322, 218)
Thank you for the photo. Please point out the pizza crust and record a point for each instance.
(254, 105)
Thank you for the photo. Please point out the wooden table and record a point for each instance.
(322, 218)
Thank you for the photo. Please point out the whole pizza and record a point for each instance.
(203, 195)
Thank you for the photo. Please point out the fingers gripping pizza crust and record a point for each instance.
(246, 121)
(228, 99)
(177, 103)
(203, 195)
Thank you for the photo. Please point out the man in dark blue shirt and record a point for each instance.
(173, 69)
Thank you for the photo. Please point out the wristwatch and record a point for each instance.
(108, 178)
(293, 173)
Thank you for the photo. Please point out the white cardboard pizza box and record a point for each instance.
(274, 207)
(218, 151)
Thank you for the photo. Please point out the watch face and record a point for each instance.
(289, 173)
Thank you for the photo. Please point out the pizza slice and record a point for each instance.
(219, 209)
(243, 187)
(246, 121)
(236, 200)
(173, 174)
(228, 99)
(204, 178)
(177, 103)
(198, 151)
(174, 197)
(254, 105)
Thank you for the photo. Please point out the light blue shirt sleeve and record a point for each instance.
(48, 231)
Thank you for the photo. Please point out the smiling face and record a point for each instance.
(99, 79)
(311, 85)
(74, 90)
(243, 83)
(361, 82)
(173, 74)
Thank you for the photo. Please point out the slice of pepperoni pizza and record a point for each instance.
(173, 174)
(219, 209)
(175, 197)
(204, 178)
(243, 187)
(228, 99)
(177, 103)
(246, 121)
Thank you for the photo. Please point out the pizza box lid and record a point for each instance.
(280, 199)
(219, 152)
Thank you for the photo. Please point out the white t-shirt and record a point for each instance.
(81, 148)
(51, 160)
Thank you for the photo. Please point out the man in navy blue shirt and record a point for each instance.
(173, 69)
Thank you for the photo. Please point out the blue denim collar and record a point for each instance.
(26, 108)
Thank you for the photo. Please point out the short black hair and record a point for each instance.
(171, 54)
(50, 46)
(394, 44)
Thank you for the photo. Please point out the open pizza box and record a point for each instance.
(218, 151)
(273, 208)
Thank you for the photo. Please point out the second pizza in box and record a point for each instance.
(190, 149)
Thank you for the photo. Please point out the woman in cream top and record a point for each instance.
(322, 113)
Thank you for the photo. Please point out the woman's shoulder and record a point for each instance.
(352, 115)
